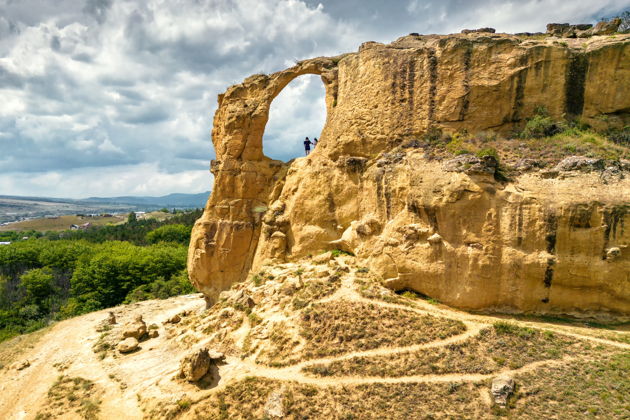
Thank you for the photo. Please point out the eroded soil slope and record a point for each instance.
(320, 338)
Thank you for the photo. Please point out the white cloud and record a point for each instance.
(143, 179)
(107, 84)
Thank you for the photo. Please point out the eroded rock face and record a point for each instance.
(534, 244)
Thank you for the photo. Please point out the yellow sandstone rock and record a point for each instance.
(451, 231)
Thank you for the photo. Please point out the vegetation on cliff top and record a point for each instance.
(542, 138)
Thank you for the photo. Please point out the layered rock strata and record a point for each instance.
(544, 244)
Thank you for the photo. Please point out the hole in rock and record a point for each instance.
(297, 112)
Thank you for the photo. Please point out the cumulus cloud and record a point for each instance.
(128, 88)
(140, 179)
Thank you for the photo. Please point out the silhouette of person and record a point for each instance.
(314, 142)
(307, 146)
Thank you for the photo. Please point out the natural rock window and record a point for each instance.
(298, 111)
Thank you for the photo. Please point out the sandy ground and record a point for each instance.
(69, 344)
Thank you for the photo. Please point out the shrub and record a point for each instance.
(621, 137)
(456, 145)
(540, 126)
(488, 151)
(337, 252)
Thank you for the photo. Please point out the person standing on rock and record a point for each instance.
(307, 146)
(314, 142)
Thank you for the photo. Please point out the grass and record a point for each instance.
(370, 288)
(582, 389)
(279, 348)
(619, 332)
(69, 394)
(314, 289)
(592, 389)
(342, 326)
(103, 345)
(502, 346)
(542, 138)
(246, 399)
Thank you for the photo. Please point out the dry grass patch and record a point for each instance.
(592, 389)
(315, 289)
(370, 288)
(61, 222)
(342, 326)
(71, 395)
(279, 349)
(247, 399)
(502, 346)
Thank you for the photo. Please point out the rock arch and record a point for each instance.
(225, 237)
(371, 185)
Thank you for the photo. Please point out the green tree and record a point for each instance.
(39, 288)
(170, 233)
(118, 268)
(132, 218)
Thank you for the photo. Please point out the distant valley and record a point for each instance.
(14, 208)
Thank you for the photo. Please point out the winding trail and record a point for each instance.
(292, 374)
(474, 324)
(128, 384)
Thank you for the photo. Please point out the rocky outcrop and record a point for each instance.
(197, 364)
(451, 231)
(501, 389)
(136, 329)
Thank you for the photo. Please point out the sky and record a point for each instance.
(116, 97)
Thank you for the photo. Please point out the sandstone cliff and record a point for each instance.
(538, 243)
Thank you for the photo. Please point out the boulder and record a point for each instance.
(435, 239)
(195, 366)
(557, 29)
(174, 319)
(107, 322)
(111, 318)
(613, 253)
(607, 27)
(22, 365)
(502, 388)
(480, 30)
(128, 345)
(565, 30)
(472, 165)
(241, 298)
(322, 258)
(580, 163)
(274, 407)
(153, 334)
(526, 165)
(136, 329)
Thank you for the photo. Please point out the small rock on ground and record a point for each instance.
(128, 345)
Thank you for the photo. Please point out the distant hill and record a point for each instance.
(170, 200)
(13, 208)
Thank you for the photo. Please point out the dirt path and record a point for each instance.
(69, 344)
(292, 374)
(127, 382)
